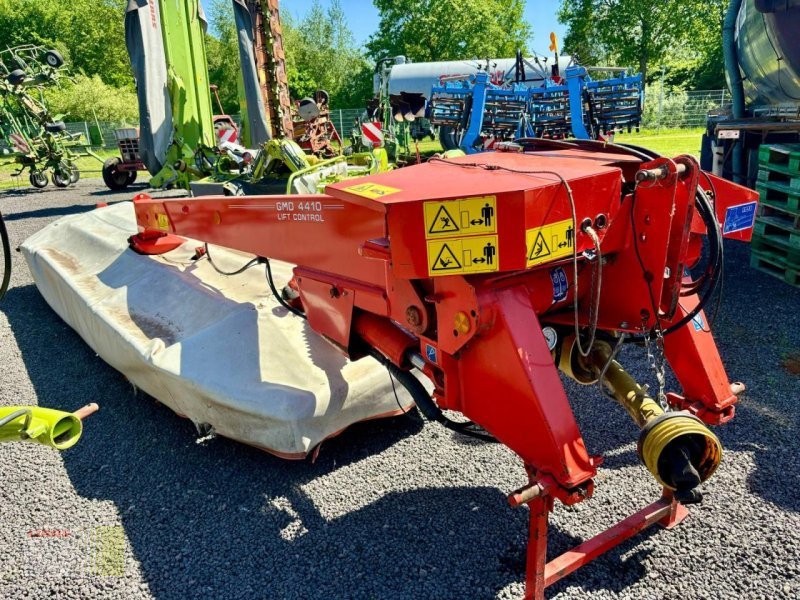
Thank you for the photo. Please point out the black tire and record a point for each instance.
(114, 178)
(38, 179)
(55, 126)
(74, 174)
(61, 178)
(131, 176)
(53, 59)
(447, 137)
(16, 77)
(5, 244)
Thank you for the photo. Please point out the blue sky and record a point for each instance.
(363, 18)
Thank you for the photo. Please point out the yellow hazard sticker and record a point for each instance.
(549, 242)
(463, 255)
(162, 221)
(468, 216)
(371, 190)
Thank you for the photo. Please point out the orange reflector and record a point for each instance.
(462, 324)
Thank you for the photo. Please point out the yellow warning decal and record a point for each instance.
(549, 242)
(162, 221)
(463, 255)
(371, 190)
(469, 216)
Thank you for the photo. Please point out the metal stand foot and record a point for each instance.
(541, 574)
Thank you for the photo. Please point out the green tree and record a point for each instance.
(89, 33)
(430, 30)
(222, 55)
(636, 32)
(85, 98)
(581, 40)
(321, 54)
(699, 64)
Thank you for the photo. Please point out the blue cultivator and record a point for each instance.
(480, 113)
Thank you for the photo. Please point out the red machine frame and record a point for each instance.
(440, 266)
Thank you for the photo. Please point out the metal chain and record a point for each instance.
(656, 361)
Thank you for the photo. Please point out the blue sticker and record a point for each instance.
(739, 217)
(431, 354)
(560, 287)
(697, 321)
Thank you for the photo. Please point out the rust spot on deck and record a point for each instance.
(791, 363)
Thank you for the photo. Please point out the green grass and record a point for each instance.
(88, 166)
(669, 142)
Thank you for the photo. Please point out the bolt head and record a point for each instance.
(414, 316)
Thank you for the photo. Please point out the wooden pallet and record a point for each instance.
(781, 158)
(791, 182)
(788, 218)
(779, 242)
(773, 264)
(779, 194)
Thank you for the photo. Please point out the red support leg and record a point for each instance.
(540, 574)
(537, 548)
(678, 512)
(695, 360)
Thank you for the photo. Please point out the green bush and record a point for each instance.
(86, 97)
(672, 107)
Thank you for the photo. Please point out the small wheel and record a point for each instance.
(74, 174)
(16, 77)
(61, 178)
(53, 58)
(38, 179)
(447, 137)
(55, 126)
(131, 176)
(114, 179)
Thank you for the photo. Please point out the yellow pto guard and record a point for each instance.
(55, 428)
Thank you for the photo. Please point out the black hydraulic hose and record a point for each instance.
(643, 152)
(277, 294)
(612, 148)
(715, 267)
(595, 145)
(714, 272)
(545, 143)
(6, 244)
(426, 404)
(249, 264)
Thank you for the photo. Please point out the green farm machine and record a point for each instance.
(36, 140)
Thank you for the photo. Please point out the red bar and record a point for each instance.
(537, 548)
(586, 552)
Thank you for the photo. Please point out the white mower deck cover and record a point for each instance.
(218, 350)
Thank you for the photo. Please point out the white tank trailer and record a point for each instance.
(419, 78)
(768, 52)
(761, 43)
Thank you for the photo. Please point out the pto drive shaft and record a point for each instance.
(676, 447)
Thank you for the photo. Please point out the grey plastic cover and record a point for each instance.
(148, 62)
(219, 350)
(256, 124)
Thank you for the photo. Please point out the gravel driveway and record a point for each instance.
(395, 508)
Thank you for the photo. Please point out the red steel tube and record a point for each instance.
(390, 340)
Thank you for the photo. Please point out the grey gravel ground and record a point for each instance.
(391, 509)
